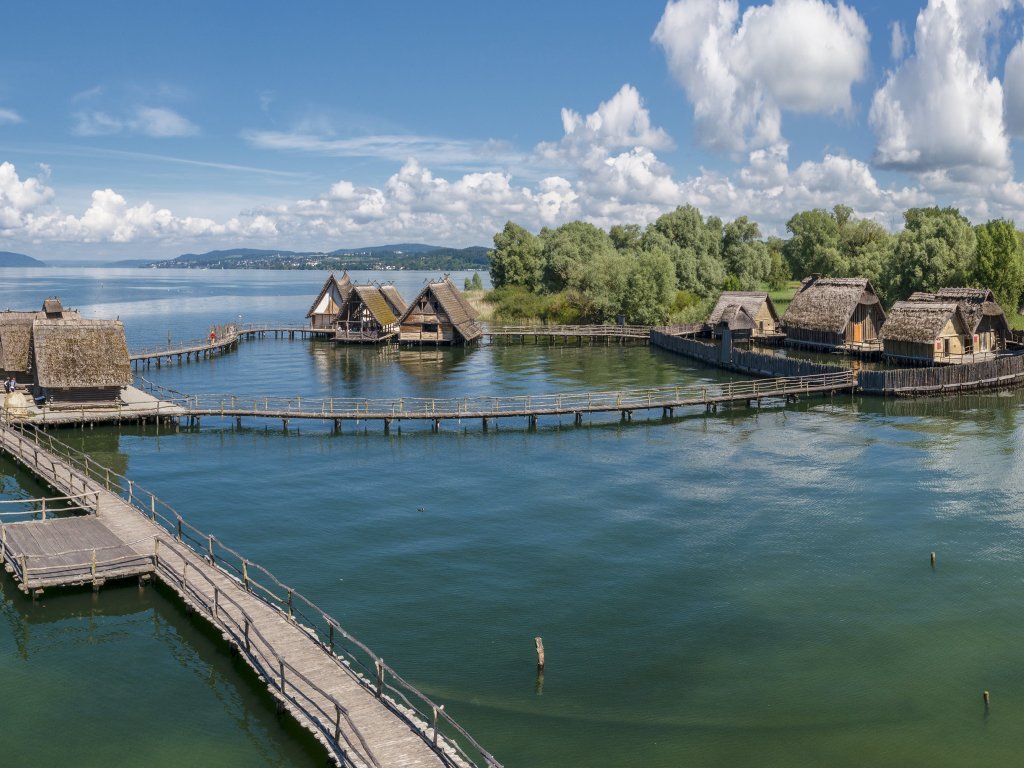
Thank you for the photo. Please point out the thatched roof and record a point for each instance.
(751, 301)
(975, 304)
(827, 303)
(398, 305)
(736, 318)
(16, 340)
(452, 303)
(373, 299)
(920, 321)
(80, 353)
(340, 288)
(52, 307)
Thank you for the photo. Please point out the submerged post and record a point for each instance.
(540, 653)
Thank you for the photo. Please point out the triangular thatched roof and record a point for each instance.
(827, 303)
(16, 340)
(398, 305)
(453, 304)
(339, 289)
(371, 297)
(975, 304)
(80, 353)
(921, 321)
(751, 301)
(736, 318)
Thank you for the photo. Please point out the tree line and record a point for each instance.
(675, 267)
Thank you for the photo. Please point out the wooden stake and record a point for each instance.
(984, 697)
(540, 653)
(933, 559)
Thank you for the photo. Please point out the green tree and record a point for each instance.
(625, 237)
(813, 246)
(650, 288)
(694, 245)
(516, 258)
(745, 255)
(1000, 262)
(779, 273)
(936, 249)
(569, 251)
(476, 283)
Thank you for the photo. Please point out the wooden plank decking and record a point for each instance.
(353, 703)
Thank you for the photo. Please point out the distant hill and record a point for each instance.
(377, 257)
(10, 259)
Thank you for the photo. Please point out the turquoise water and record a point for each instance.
(741, 588)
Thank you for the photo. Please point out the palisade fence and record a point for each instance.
(1001, 372)
(751, 363)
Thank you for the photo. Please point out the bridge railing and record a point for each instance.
(224, 336)
(487, 405)
(39, 508)
(615, 331)
(351, 655)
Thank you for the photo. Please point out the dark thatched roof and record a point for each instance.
(398, 305)
(341, 288)
(827, 303)
(921, 321)
(373, 299)
(52, 307)
(751, 301)
(736, 318)
(452, 303)
(975, 304)
(80, 353)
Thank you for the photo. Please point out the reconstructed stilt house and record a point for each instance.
(16, 337)
(987, 327)
(439, 314)
(834, 313)
(327, 304)
(77, 361)
(925, 332)
(757, 319)
(366, 316)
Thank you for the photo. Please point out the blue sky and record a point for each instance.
(130, 130)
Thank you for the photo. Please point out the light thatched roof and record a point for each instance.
(921, 321)
(16, 340)
(827, 303)
(80, 353)
(398, 305)
(736, 318)
(371, 297)
(751, 301)
(975, 304)
(338, 288)
(453, 304)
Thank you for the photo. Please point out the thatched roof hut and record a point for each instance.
(328, 302)
(16, 337)
(366, 316)
(394, 298)
(439, 314)
(986, 321)
(755, 305)
(925, 332)
(76, 360)
(834, 313)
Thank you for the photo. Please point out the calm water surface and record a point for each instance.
(741, 588)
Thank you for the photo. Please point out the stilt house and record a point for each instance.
(16, 337)
(834, 313)
(439, 314)
(77, 361)
(366, 315)
(757, 308)
(328, 302)
(925, 332)
(987, 326)
(394, 299)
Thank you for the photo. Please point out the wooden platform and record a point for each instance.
(68, 551)
(364, 719)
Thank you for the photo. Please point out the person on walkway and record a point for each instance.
(10, 385)
(213, 337)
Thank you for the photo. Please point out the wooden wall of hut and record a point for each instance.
(865, 323)
(752, 363)
(810, 338)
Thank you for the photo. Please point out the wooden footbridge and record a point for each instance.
(364, 714)
(225, 338)
(488, 408)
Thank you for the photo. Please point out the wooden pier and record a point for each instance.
(364, 714)
(567, 333)
(488, 408)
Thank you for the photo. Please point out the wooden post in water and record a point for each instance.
(540, 653)
(933, 559)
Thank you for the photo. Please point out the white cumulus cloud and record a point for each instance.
(740, 73)
(940, 109)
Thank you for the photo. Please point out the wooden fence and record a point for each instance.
(751, 363)
(1000, 372)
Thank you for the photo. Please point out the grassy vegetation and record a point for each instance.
(783, 296)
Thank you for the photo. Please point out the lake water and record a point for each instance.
(750, 587)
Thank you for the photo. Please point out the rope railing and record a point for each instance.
(615, 331)
(345, 649)
(223, 335)
(491, 405)
(49, 505)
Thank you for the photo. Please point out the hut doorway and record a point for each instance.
(858, 333)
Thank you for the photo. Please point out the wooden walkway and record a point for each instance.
(487, 408)
(363, 713)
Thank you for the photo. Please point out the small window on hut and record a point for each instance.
(430, 327)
